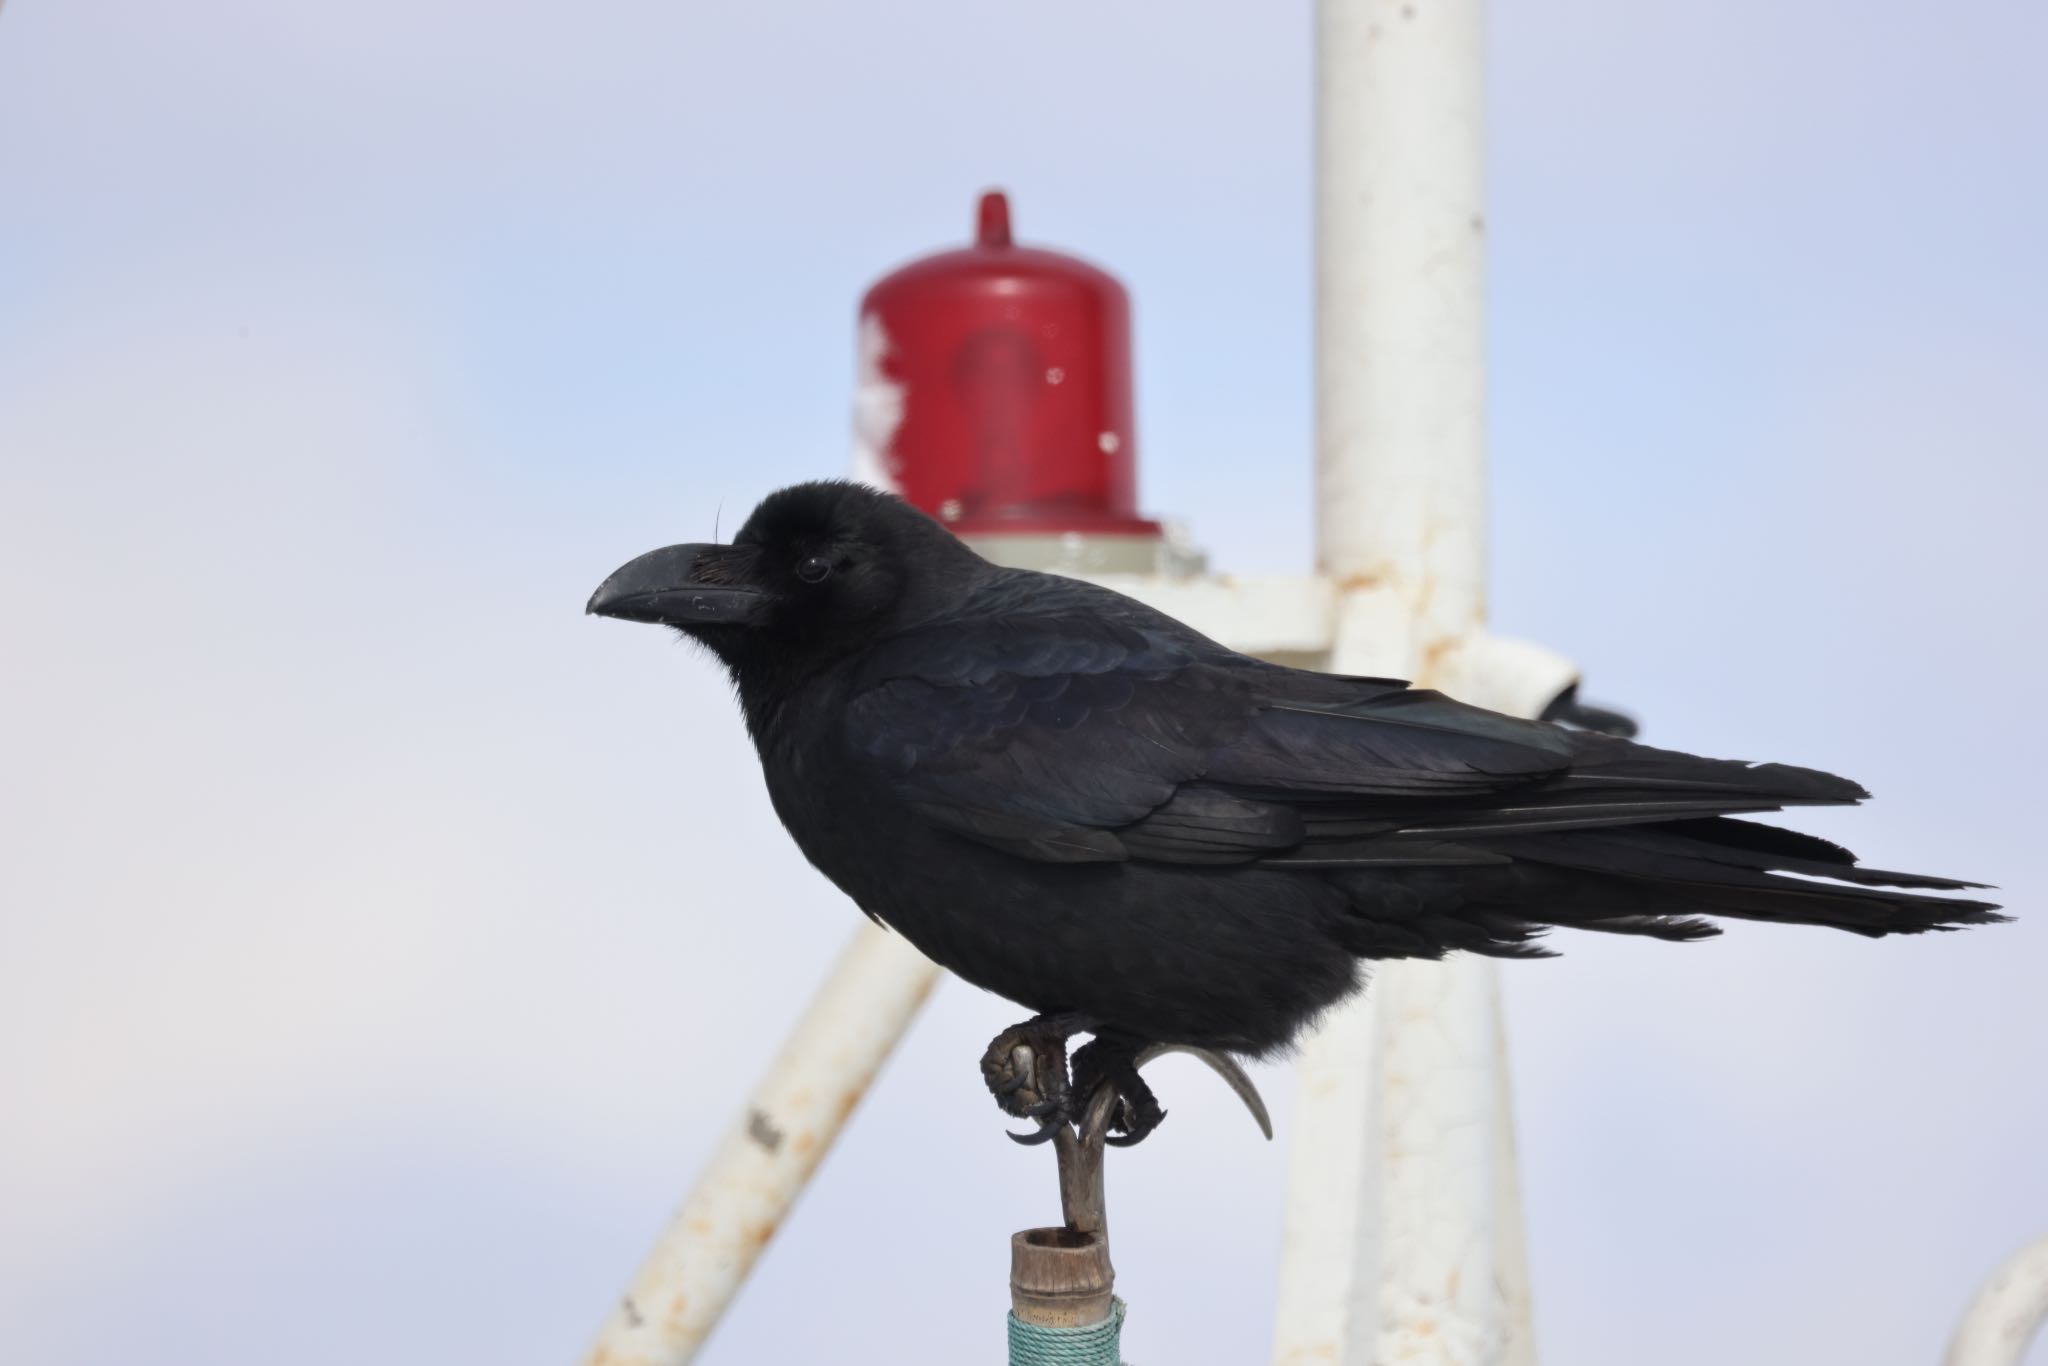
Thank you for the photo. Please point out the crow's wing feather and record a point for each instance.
(1381, 740)
(1093, 739)
(1064, 722)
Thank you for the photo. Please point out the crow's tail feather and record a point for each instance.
(1737, 869)
(1666, 881)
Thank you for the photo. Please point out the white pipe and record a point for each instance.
(2007, 1313)
(740, 1199)
(1404, 1237)
(1400, 281)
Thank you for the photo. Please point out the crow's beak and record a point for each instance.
(679, 585)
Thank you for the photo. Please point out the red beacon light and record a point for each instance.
(995, 394)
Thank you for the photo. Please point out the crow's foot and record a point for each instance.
(1025, 1067)
(1111, 1062)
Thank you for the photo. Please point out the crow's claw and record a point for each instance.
(1045, 1133)
(1051, 1116)
(1136, 1128)
(1108, 1069)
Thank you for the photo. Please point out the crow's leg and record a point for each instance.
(1111, 1060)
(1026, 1070)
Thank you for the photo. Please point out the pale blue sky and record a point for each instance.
(376, 962)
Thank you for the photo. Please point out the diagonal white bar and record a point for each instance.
(2007, 1313)
(703, 1256)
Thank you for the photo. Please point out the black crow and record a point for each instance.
(1082, 805)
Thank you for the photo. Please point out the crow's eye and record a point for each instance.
(814, 569)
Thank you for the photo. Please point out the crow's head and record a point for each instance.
(818, 570)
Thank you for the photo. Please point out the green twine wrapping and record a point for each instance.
(1097, 1344)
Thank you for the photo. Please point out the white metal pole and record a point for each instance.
(741, 1197)
(2007, 1313)
(1404, 1238)
(1400, 321)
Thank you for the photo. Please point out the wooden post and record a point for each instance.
(1060, 1278)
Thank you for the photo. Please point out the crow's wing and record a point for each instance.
(1068, 724)
(1094, 738)
(1036, 736)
